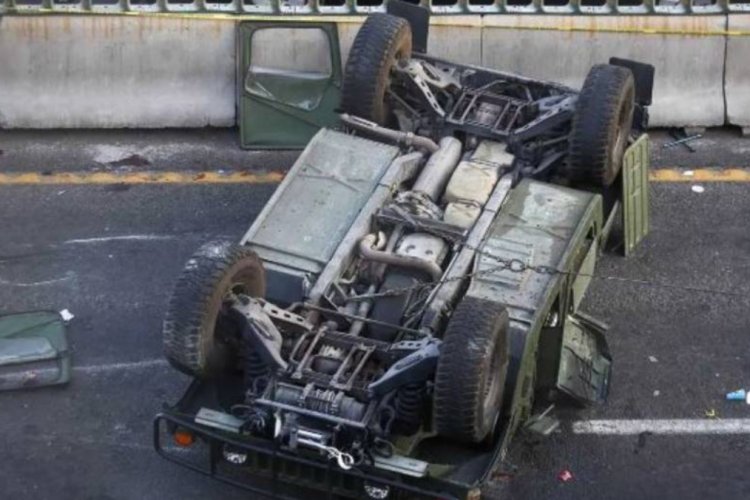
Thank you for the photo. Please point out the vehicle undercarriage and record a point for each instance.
(391, 296)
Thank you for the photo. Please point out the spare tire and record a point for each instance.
(381, 41)
(471, 371)
(601, 125)
(198, 337)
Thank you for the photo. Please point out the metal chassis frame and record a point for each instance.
(505, 125)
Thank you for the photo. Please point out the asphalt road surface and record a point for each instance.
(110, 253)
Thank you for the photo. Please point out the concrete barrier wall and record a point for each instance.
(162, 72)
(738, 73)
(458, 38)
(66, 71)
(689, 69)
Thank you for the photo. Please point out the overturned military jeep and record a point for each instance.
(408, 298)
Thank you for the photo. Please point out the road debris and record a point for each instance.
(697, 189)
(657, 393)
(653, 359)
(33, 350)
(66, 315)
(683, 142)
(681, 137)
(711, 413)
(739, 395)
(133, 160)
(565, 476)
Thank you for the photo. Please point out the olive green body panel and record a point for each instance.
(283, 103)
(537, 226)
(33, 350)
(302, 225)
(585, 363)
(551, 232)
(635, 191)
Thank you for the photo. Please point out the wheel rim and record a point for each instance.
(493, 388)
(399, 55)
(621, 135)
(386, 106)
(491, 384)
(224, 327)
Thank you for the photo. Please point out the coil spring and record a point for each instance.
(408, 404)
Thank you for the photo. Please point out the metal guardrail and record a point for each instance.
(357, 7)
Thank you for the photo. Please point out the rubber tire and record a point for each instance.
(475, 349)
(190, 327)
(381, 41)
(601, 125)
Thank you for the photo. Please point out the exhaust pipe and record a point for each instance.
(439, 168)
(367, 249)
(388, 134)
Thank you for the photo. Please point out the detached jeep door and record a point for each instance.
(290, 82)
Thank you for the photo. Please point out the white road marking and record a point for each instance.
(126, 237)
(112, 367)
(663, 426)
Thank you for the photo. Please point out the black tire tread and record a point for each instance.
(366, 72)
(193, 300)
(459, 394)
(592, 128)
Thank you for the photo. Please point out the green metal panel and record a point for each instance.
(539, 224)
(302, 225)
(585, 362)
(284, 108)
(583, 277)
(33, 350)
(635, 188)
